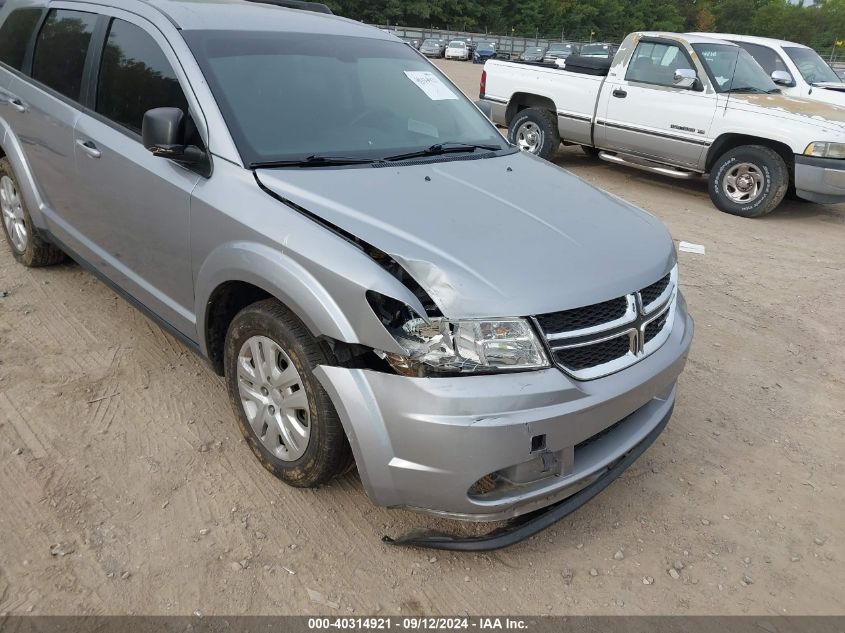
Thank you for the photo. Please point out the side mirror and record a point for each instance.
(163, 134)
(684, 78)
(782, 78)
(486, 107)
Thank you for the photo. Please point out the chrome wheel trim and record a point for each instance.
(529, 137)
(273, 398)
(12, 210)
(743, 183)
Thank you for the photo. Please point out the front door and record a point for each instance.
(647, 115)
(136, 210)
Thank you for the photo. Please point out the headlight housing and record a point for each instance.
(823, 149)
(441, 346)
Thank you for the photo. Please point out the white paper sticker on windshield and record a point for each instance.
(431, 85)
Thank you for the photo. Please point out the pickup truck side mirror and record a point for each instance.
(782, 78)
(163, 132)
(684, 78)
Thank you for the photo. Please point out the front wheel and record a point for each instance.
(285, 415)
(749, 181)
(535, 131)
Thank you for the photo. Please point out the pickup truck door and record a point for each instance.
(646, 114)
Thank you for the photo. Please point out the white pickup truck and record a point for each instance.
(681, 106)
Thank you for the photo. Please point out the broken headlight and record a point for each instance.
(442, 346)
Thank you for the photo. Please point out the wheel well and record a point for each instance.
(522, 100)
(225, 302)
(727, 142)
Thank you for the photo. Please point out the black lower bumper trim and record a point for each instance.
(528, 525)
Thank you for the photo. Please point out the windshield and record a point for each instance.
(487, 46)
(534, 50)
(457, 45)
(733, 69)
(560, 48)
(290, 96)
(431, 43)
(812, 67)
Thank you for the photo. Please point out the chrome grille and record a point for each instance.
(603, 338)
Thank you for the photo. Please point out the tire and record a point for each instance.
(28, 246)
(749, 181)
(325, 453)
(592, 152)
(534, 121)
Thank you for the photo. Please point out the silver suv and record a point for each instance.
(381, 278)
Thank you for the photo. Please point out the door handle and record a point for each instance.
(89, 148)
(17, 104)
(619, 93)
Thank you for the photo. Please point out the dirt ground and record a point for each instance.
(118, 444)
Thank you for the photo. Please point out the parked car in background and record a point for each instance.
(433, 48)
(679, 106)
(310, 257)
(798, 70)
(457, 49)
(560, 50)
(415, 44)
(533, 54)
(484, 51)
(598, 49)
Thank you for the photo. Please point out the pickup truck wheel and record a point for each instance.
(749, 181)
(285, 415)
(28, 247)
(534, 130)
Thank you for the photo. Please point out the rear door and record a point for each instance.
(43, 111)
(136, 207)
(648, 115)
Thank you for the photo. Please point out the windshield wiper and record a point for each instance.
(448, 147)
(750, 89)
(314, 161)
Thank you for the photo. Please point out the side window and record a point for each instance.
(60, 50)
(15, 35)
(656, 63)
(766, 57)
(135, 76)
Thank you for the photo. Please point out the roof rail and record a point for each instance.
(316, 7)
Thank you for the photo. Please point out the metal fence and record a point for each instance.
(506, 46)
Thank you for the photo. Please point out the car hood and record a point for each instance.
(797, 109)
(506, 236)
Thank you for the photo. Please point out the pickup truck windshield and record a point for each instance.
(733, 69)
(812, 67)
(290, 97)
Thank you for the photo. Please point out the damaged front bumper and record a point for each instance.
(495, 447)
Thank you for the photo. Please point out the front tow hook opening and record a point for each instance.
(523, 527)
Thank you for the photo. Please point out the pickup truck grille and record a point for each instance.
(606, 337)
